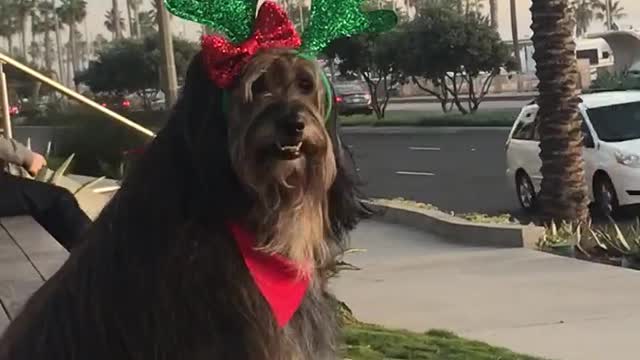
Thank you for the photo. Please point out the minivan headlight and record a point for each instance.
(631, 160)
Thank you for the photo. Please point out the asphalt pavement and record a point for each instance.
(461, 170)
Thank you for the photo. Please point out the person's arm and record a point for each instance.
(13, 152)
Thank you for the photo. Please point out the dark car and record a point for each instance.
(352, 97)
(14, 109)
(115, 103)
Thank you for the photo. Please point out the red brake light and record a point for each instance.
(126, 103)
(104, 105)
(339, 99)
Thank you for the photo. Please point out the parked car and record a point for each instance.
(116, 103)
(352, 97)
(14, 109)
(611, 130)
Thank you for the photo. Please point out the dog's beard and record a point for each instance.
(290, 209)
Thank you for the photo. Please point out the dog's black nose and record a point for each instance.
(292, 125)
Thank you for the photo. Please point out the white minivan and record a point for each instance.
(611, 129)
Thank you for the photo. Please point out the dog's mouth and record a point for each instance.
(288, 151)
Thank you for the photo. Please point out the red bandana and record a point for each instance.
(225, 60)
(277, 278)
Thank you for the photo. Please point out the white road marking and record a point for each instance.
(418, 148)
(414, 173)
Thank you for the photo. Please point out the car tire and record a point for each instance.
(604, 196)
(526, 191)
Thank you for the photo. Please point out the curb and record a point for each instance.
(457, 230)
(427, 100)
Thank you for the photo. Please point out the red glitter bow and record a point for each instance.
(272, 29)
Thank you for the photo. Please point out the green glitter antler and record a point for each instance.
(233, 18)
(333, 19)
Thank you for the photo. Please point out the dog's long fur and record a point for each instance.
(159, 276)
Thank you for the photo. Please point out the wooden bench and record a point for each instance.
(28, 257)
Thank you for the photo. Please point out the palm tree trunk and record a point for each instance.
(514, 34)
(136, 14)
(23, 36)
(74, 53)
(48, 63)
(563, 194)
(459, 4)
(116, 19)
(58, 43)
(168, 72)
(131, 29)
(10, 44)
(493, 7)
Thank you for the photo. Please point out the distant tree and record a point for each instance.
(145, 23)
(110, 22)
(72, 12)
(99, 43)
(133, 66)
(617, 13)
(374, 58)
(583, 13)
(451, 52)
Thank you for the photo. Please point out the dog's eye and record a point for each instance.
(305, 85)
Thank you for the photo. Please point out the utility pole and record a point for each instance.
(56, 20)
(169, 76)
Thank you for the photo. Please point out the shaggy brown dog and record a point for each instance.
(161, 277)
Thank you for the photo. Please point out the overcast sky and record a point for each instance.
(98, 8)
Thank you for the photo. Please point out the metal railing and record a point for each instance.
(4, 98)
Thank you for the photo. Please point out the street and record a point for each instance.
(459, 170)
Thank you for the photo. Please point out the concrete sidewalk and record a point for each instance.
(524, 300)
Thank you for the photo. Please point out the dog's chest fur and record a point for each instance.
(188, 299)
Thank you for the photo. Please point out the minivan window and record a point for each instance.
(616, 123)
(524, 131)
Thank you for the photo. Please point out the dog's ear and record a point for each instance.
(346, 208)
(197, 131)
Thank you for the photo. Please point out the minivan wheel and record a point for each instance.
(604, 194)
(526, 192)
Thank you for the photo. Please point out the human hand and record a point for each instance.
(37, 163)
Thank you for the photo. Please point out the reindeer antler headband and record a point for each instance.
(247, 34)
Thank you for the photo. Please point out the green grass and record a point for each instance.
(369, 342)
(485, 118)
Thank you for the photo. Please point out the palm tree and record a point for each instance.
(147, 23)
(134, 23)
(8, 23)
(43, 22)
(584, 11)
(112, 25)
(23, 11)
(563, 193)
(493, 7)
(99, 43)
(616, 12)
(72, 12)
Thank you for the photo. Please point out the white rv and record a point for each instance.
(597, 51)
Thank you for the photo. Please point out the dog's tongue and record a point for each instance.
(277, 278)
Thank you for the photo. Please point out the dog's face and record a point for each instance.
(276, 124)
(278, 143)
